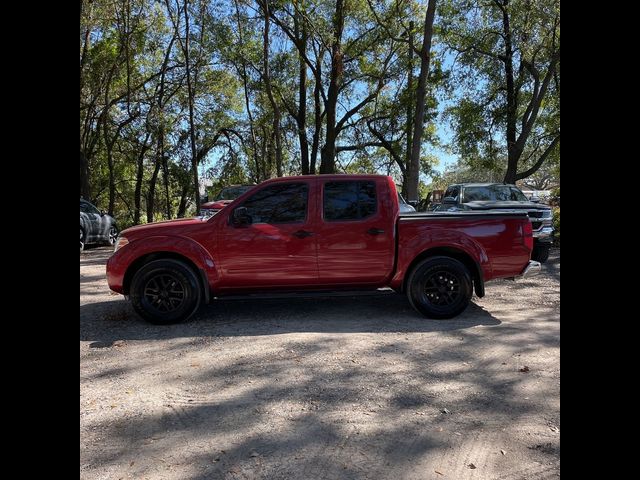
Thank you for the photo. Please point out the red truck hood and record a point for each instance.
(161, 228)
(217, 205)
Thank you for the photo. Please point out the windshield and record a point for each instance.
(499, 193)
(231, 193)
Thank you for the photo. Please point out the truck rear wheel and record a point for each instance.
(440, 287)
(165, 291)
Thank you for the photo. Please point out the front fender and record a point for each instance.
(134, 252)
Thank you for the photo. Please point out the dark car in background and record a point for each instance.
(96, 226)
(224, 198)
(498, 196)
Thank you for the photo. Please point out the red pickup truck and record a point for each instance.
(327, 232)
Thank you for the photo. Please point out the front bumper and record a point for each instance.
(532, 268)
(543, 235)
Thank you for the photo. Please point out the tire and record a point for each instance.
(165, 291)
(83, 239)
(540, 254)
(112, 236)
(440, 287)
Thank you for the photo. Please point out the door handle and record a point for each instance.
(375, 231)
(302, 234)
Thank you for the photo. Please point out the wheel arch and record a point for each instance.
(139, 262)
(467, 260)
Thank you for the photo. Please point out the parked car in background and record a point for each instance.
(224, 198)
(498, 196)
(96, 226)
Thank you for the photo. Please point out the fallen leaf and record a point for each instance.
(439, 472)
(503, 452)
(524, 369)
(254, 454)
(131, 464)
(472, 466)
(445, 410)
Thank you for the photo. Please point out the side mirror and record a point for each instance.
(240, 217)
(449, 201)
(413, 203)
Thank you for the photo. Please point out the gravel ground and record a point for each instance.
(346, 387)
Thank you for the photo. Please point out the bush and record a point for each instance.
(556, 226)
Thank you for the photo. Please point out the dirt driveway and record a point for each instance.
(352, 387)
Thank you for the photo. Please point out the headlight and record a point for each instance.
(121, 242)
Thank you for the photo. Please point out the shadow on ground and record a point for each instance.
(105, 322)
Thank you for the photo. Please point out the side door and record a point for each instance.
(356, 237)
(278, 247)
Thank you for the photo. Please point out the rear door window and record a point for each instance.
(349, 200)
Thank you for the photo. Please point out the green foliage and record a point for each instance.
(556, 226)
(134, 101)
(480, 107)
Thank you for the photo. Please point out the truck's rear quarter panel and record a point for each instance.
(494, 241)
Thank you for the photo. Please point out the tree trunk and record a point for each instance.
(263, 153)
(301, 118)
(137, 195)
(267, 83)
(85, 190)
(413, 173)
(112, 178)
(191, 94)
(152, 191)
(513, 155)
(245, 82)
(317, 103)
(328, 154)
(409, 124)
(182, 208)
(165, 175)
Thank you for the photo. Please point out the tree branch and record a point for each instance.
(540, 160)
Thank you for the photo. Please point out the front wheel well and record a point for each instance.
(138, 263)
(461, 256)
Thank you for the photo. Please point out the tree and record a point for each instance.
(509, 52)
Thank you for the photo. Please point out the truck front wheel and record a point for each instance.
(439, 287)
(165, 291)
